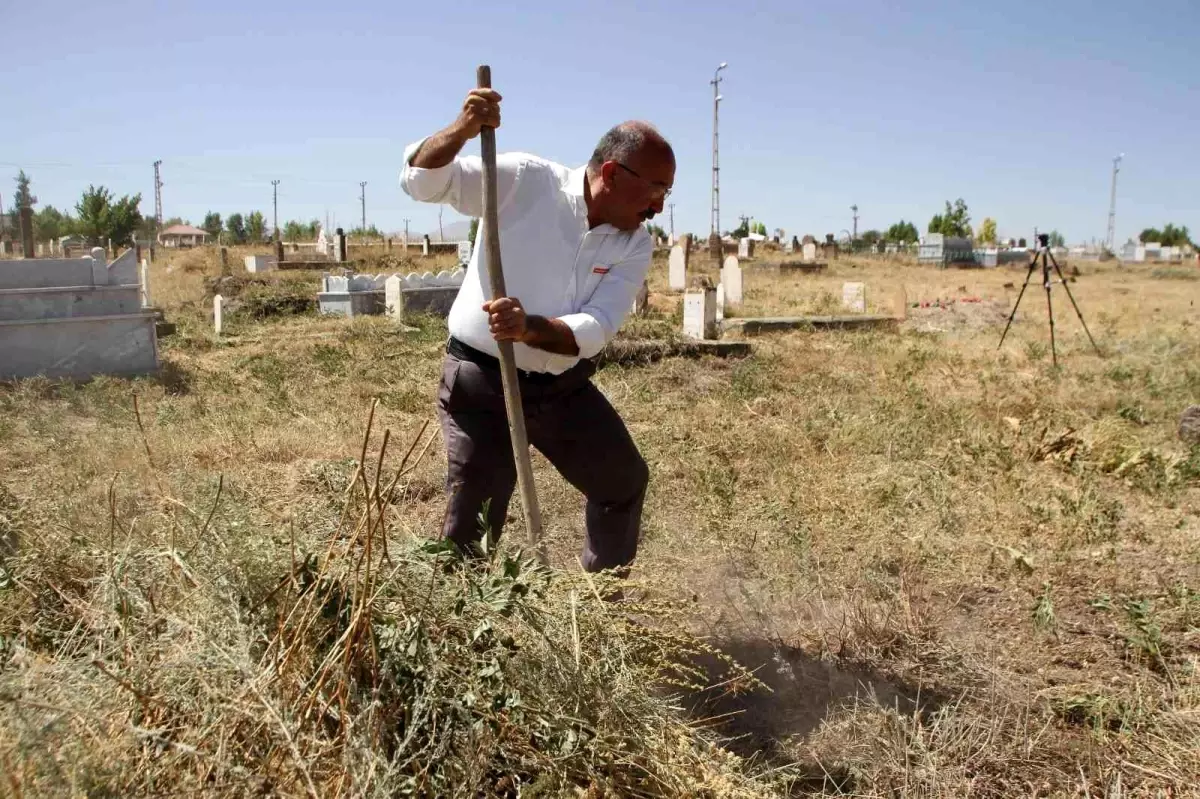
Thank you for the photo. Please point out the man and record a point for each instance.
(574, 255)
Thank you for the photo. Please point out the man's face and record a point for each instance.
(639, 187)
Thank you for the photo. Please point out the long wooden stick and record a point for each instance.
(508, 364)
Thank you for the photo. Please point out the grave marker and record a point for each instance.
(218, 302)
(854, 297)
(641, 300)
(677, 268)
(425, 245)
(745, 248)
(700, 314)
(145, 284)
(731, 279)
(720, 302)
(809, 253)
(464, 253)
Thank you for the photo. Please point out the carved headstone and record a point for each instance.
(700, 313)
(809, 253)
(731, 279)
(677, 268)
(854, 297)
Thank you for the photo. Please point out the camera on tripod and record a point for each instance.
(1044, 239)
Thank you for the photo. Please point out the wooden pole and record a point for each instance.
(508, 366)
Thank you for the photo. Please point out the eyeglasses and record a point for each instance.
(657, 189)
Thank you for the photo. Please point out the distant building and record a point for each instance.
(936, 248)
(182, 236)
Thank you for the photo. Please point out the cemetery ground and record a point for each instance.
(952, 570)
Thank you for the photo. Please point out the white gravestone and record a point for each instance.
(464, 253)
(218, 302)
(425, 246)
(700, 314)
(145, 284)
(391, 295)
(322, 242)
(720, 302)
(854, 297)
(677, 269)
(731, 279)
(745, 248)
(261, 263)
(809, 254)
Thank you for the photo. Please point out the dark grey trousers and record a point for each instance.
(572, 424)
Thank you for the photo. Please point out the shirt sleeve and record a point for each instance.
(600, 319)
(459, 183)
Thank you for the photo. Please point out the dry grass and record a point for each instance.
(960, 570)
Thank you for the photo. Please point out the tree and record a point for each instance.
(760, 228)
(474, 231)
(50, 224)
(256, 227)
(1056, 239)
(741, 231)
(902, 231)
(93, 209)
(172, 221)
(1021, 243)
(123, 219)
(1169, 236)
(870, 238)
(954, 222)
(987, 231)
(22, 198)
(235, 225)
(212, 224)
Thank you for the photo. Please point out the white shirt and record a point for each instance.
(552, 263)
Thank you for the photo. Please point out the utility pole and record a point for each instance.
(854, 235)
(157, 197)
(406, 235)
(275, 204)
(671, 208)
(716, 167)
(363, 188)
(1111, 236)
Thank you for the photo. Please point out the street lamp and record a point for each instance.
(716, 176)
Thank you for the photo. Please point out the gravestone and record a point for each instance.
(808, 254)
(700, 313)
(1189, 426)
(279, 256)
(261, 263)
(387, 243)
(720, 302)
(464, 253)
(745, 248)
(854, 297)
(218, 303)
(425, 245)
(224, 262)
(731, 279)
(789, 246)
(145, 284)
(340, 240)
(641, 300)
(677, 268)
(322, 242)
(6, 247)
(685, 241)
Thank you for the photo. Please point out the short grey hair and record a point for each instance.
(622, 141)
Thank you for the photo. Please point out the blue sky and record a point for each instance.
(1017, 107)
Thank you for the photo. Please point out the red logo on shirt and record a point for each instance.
(600, 270)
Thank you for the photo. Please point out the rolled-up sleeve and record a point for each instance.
(459, 183)
(600, 319)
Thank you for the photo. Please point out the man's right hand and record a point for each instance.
(482, 107)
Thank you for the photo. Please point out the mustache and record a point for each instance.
(647, 214)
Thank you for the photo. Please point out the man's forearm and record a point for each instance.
(440, 148)
(551, 335)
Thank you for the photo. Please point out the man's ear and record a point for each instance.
(607, 171)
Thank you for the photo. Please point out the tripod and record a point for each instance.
(1047, 257)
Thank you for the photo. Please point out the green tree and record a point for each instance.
(256, 227)
(93, 208)
(474, 231)
(293, 231)
(955, 221)
(1169, 236)
(760, 228)
(172, 221)
(50, 224)
(902, 231)
(1056, 239)
(741, 231)
(869, 238)
(212, 224)
(987, 231)
(22, 197)
(123, 219)
(235, 226)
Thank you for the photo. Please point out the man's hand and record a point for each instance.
(507, 319)
(482, 107)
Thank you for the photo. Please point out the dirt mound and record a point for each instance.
(946, 316)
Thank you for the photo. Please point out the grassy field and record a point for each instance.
(953, 570)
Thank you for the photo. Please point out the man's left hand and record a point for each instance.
(507, 319)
